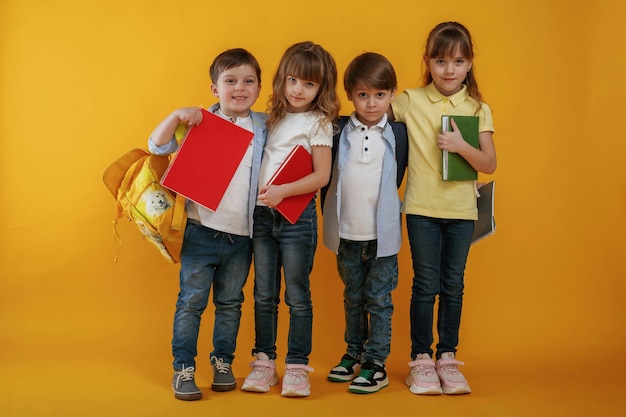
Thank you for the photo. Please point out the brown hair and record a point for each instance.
(232, 58)
(371, 69)
(445, 40)
(310, 62)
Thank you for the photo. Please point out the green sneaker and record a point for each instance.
(371, 378)
(346, 369)
(184, 385)
(223, 378)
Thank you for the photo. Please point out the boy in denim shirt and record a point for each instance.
(217, 245)
(362, 220)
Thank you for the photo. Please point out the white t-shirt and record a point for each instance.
(294, 129)
(360, 181)
(231, 215)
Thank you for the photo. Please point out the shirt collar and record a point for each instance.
(354, 122)
(457, 98)
(217, 110)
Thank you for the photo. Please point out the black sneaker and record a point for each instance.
(346, 370)
(184, 385)
(372, 378)
(223, 378)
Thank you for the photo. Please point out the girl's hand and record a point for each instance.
(452, 141)
(482, 159)
(270, 195)
(192, 116)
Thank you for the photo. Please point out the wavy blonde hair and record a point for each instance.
(310, 62)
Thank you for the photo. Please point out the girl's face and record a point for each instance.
(300, 94)
(237, 88)
(449, 73)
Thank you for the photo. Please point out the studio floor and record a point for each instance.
(58, 386)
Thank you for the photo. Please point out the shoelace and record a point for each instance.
(220, 366)
(346, 363)
(259, 367)
(298, 372)
(449, 370)
(367, 373)
(449, 367)
(186, 374)
(424, 370)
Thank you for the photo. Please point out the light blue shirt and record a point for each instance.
(388, 217)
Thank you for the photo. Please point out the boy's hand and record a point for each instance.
(191, 116)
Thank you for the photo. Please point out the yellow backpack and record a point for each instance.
(134, 181)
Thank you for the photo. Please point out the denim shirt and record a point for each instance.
(258, 127)
(388, 217)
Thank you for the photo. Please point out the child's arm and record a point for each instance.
(164, 132)
(482, 159)
(271, 195)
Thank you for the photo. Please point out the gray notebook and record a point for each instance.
(485, 226)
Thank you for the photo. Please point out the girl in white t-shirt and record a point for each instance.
(302, 109)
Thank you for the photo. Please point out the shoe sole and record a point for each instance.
(370, 389)
(296, 393)
(255, 388)
(223, 387)
(456, 390)
(341, 378)
(422, 390)
(188, 397)
(259, 388)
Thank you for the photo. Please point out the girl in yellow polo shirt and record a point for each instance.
(440, 214)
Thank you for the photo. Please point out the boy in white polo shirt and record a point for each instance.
(362, 220)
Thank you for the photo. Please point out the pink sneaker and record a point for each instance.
(452, 380)
(296, 381)
(422, 378)
(262, 376)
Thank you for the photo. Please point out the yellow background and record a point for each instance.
(83, 82)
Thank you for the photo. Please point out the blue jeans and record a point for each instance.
(210, 258)
(439, 249)
(279, 244)
(368, 283)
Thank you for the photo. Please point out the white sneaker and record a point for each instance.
(262, 376)
(452, 380)
(296, 381)
(422, 378)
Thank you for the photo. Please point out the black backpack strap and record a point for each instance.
(402, 149)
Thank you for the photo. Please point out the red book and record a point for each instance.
(207, 159)
(298, 164)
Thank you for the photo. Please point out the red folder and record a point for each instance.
(207, 159)
(298, 164)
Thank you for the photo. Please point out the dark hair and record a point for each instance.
(310, 62)
(371, 69)
(444, 41)
(232, 58)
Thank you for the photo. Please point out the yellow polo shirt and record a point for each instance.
(426, 193)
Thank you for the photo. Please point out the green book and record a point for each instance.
(455, 168)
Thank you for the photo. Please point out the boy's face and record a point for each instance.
(237, 88)
(370, 103)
